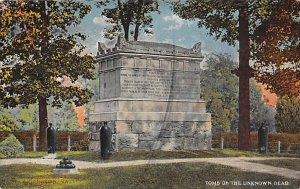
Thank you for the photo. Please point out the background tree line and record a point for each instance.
(219, 88)
(21, 118)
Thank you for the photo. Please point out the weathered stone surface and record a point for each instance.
(145, 126)
(123, 127)
(150, 145)
(106, 106)
(166, 135)
(155, 84)
(114, 142)
(151, 116)
(95, 136)
(166, 64)
(141, 62)
(94, 145)
(127, 141)
(150, 136)
(199, 142)
(93, 126)
(150, 97)
(201, 127)
(173, 144)
(128, 62)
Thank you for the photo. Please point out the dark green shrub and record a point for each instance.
(7, 124)
(11, 147)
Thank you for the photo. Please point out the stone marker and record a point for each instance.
(51, 142)
(263, 139)
(150, 97)
(105, 141)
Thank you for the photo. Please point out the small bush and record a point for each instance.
(11, 147)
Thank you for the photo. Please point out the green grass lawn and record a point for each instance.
(94, 156)
(293, 164)
(136, 155)
(183, 175)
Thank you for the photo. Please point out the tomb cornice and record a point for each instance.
(147, 55)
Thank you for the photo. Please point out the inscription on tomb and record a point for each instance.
(160, 84)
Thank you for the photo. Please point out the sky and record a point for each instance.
(167, 27)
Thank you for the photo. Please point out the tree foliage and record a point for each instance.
(274, 28)
(7, 123)
(37, 51)
(27, 117)
(64, 118)
(123, 14)
(261, 114)
(276, 47)
(219, 88)
(288, 115)
(30, 71)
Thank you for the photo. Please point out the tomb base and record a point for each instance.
(154, 135)
(186, 129)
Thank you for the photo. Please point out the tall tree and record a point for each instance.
(228, 21)
(288, 115)
(122, 14)
(234, 21)
(36, 51)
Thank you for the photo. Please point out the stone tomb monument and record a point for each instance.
(150, 97)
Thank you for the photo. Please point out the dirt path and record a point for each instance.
(237, 162)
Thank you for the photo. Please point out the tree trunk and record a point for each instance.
(43, 123)
(244, 140)
(126, 31)
(43, 117)
(124, 19)
(136, 32)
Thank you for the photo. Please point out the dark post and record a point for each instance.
(105, 140)
(51, 139)
(263, 139)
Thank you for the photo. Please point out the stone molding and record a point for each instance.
(143, 47)
(112, 63)
(151, 116)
